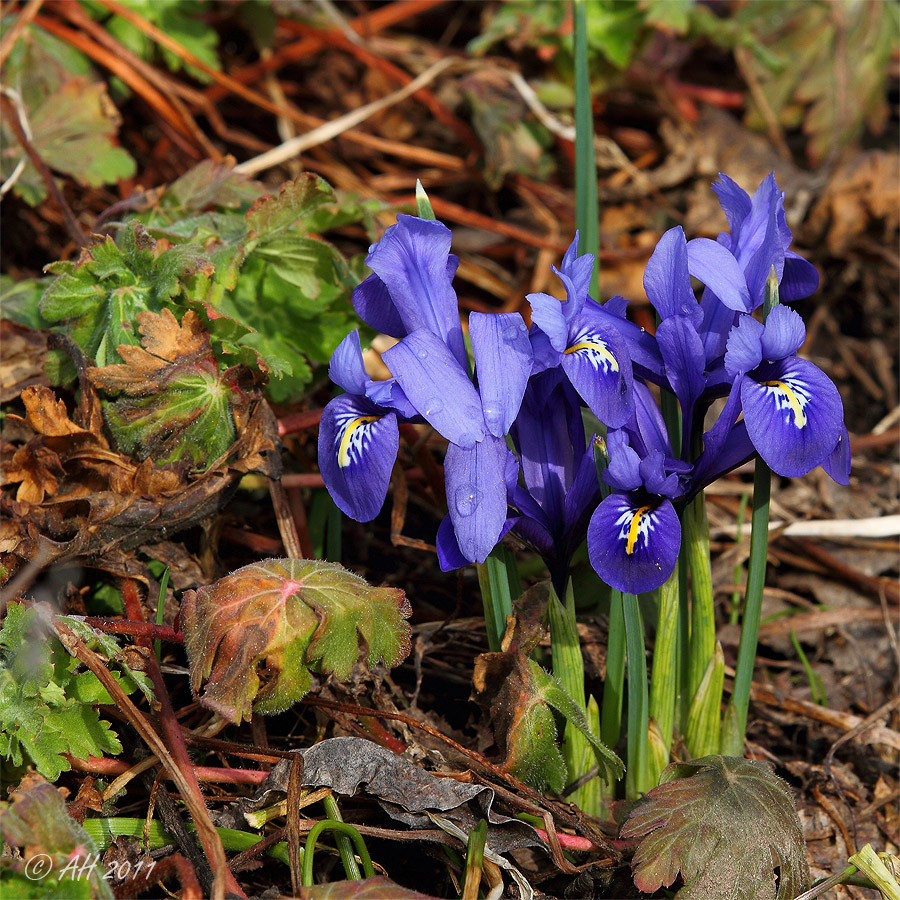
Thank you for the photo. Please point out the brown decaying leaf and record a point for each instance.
(74, 497)
(22, 362)
(164, 342)
(375, 888)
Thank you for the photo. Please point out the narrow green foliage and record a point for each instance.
(46, 705)
(870, 863)
(734, 725)
(735, 614)
(587, 208)
(703, 614)
(474, 860)
(568, 669)
(423, 204)
(816, 688)
(704, 718)
(500, 586)
(339, 828)
(343, 841)
(664, 677)
(638, 778)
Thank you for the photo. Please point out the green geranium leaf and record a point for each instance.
(177, 404)
(42, 715)
(53, 844)
(100, 296)
(277, 619)
(296, 198)
(726, 824)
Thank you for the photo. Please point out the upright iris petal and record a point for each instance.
(587, 342)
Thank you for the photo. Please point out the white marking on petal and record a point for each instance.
(791, 396)
(635, 525)
(595, 350)
(352, 437)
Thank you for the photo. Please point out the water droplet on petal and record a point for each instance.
(422, 354)
(466, 499)
(512, 331)
(492, 417)
(433, 406)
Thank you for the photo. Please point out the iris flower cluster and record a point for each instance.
(519, 459)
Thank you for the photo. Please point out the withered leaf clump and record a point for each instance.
(254, 634)
(727, 824)
(178, 403)
(67, 493)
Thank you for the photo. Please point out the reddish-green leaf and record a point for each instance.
(728, 825)
(254, 634)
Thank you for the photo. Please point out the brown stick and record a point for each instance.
(11, 36)
(222, 877)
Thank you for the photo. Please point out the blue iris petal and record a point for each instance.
(358, 444)
(633, 545)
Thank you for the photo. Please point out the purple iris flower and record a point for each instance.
(410, 296)
(792, 411)
(634, 535)
(758, 239)
(586, 340)
(474, 419)
(359, 435)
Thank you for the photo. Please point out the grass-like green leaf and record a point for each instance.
(254, 634)
(726, 825)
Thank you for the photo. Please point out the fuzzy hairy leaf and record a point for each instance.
(272, 214)
(45, 707)
(522, 698)
(99, 297)
(726, 824)
(274, 620)
(178, 404)
(36, 820)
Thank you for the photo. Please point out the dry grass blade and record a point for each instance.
(208, 834)
(329, 130)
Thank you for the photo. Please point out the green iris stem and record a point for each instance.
(735, 724)
(703, 616)
(587, 208)
(703, 632)
(474, 860)
(345, 838)
(614, 684)
(683, 698)
(664, 679)
(498, 578)
(568, 668)
(637, 778)
(351, 836)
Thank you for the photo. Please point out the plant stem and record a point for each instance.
(637, 779)
(474, 860)
(734, 726)
(500, 586)
(664, 680)
(568, 667)
(587, 211)
(703, 629)
(344, 841)
(614, 685)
